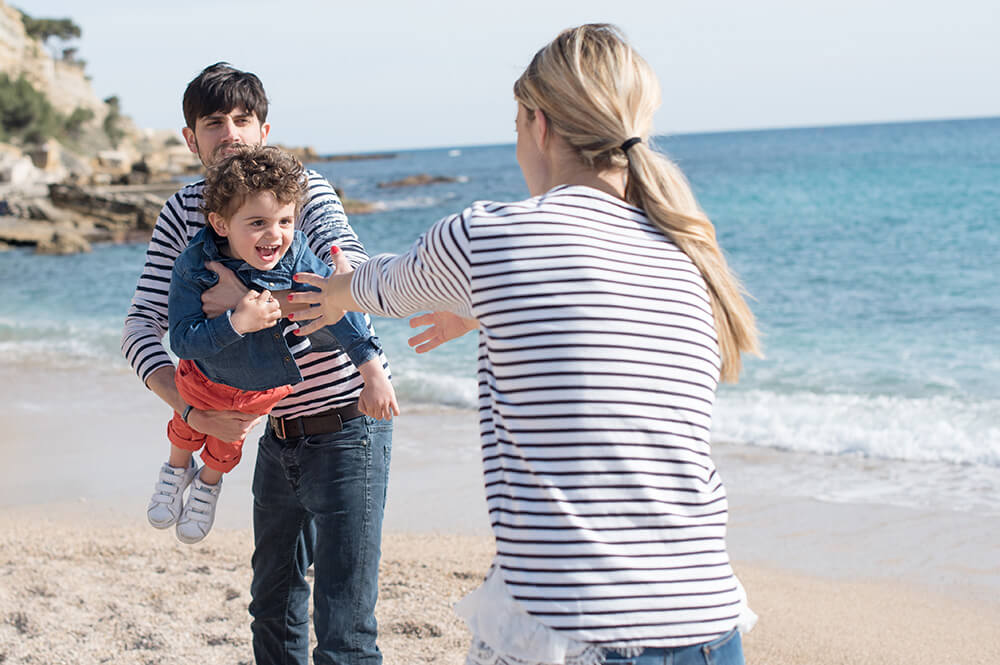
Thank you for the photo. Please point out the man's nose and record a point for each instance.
(230, 134)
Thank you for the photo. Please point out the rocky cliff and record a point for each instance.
(63, 80)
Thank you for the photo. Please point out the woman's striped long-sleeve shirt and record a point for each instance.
(598, 364)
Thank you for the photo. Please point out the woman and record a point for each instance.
(606, 315)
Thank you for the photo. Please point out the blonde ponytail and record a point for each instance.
(657, 185)
(597, 94)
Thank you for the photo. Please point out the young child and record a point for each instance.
(241, 361)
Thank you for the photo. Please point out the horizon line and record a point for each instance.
(711, 132)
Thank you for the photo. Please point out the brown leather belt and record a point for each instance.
(328, 422)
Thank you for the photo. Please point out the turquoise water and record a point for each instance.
(870, 252)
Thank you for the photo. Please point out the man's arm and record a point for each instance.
(224, 425)
(146, 321)
(324, 222)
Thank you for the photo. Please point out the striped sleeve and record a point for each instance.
(146, 321)
(324, 222)
(432, 275)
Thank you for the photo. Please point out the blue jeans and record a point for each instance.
(725, 650)
(319, 500)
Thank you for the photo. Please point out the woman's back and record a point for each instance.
(598, 366)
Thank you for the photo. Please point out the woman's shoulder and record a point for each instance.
(560, 200)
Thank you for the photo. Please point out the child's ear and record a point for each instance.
(218, 223)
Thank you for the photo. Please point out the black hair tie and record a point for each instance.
(629, 143)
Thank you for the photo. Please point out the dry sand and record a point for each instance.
(84, 592)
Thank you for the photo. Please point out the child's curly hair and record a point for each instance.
(251, 170)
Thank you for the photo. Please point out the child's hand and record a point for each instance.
(378, 398)
(255, 311)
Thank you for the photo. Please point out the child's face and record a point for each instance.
(260, 231)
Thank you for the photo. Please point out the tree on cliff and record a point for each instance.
(46, 28)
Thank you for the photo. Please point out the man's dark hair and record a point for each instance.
(222, 87)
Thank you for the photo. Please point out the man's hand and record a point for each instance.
(444, 327)
(256, 311)
(224, 425)
(378, 398)
(225, 295)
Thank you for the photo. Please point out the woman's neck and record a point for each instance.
(566, 169)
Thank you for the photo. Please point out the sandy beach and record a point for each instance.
(83, 578)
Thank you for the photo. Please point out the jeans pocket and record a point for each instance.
(353, 434)
(726, 650)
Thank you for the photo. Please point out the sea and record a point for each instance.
(870, 254)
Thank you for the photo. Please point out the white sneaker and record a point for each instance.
(199, 512)
(168, 496)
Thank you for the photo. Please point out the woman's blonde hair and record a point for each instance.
(597, 93)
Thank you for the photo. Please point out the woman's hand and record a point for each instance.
(444, 327)
(327, 305)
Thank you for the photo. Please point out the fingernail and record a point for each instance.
(289, 297)
(292, 316)
(334, 249)
(297, 332)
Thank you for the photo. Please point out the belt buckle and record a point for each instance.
(278, 425)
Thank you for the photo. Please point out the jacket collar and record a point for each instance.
(277, 278)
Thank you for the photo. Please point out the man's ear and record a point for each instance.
(218, 223)
(265, 129)
(190, 139)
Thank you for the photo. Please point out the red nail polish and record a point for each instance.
(289, 297)
(291, 316)
(334, 249)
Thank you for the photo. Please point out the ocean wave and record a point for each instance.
(413, 202)
(925, 429)
(443, 390)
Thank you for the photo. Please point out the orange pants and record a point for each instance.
(202, 393)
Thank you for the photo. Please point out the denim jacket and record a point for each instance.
(259, 360)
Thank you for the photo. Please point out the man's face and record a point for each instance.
(215, 135)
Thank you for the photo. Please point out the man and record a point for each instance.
(322, 467)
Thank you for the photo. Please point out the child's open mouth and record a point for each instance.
(268, 253)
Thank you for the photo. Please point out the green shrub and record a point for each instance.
(26, 113)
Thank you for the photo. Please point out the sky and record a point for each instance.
(397, 74)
